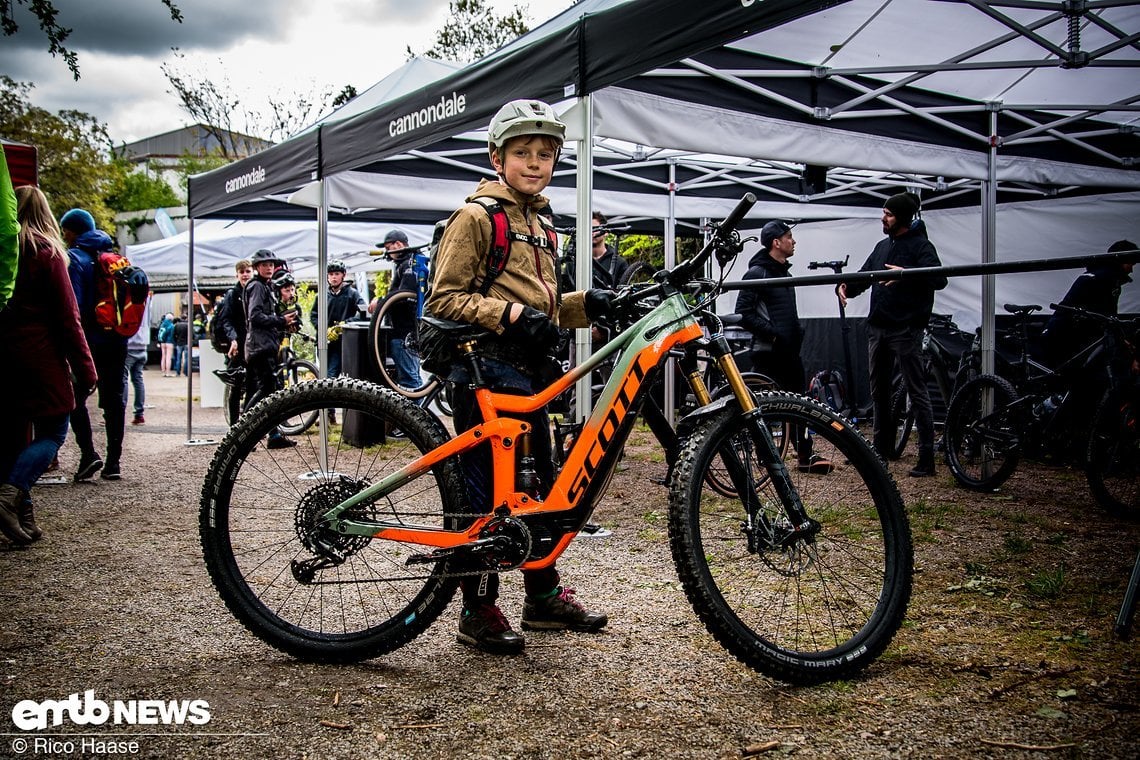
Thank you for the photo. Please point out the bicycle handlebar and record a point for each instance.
(724, 239)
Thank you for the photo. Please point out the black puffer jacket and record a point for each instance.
(782, 325)
(902, 302)
(264, 328)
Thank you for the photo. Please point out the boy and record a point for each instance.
(264, 331)
(345, 304)
(523, 307)
(229, 320)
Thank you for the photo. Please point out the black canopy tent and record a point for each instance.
(695, 90)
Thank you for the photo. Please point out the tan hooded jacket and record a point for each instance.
(530, 277)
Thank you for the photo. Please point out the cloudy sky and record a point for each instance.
(258, 46)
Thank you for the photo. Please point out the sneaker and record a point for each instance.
(593, 530)
(558, 612)
(111, 471)
(279, 441)
(89, 464)
(9, 515)
(138, 420)
(815, 465)
(486, 628)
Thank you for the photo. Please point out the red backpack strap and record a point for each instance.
(500, 250)
(502, 236)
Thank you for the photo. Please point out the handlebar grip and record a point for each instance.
(737, 214)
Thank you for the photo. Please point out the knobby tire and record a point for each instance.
(812, 610)
(259, 510)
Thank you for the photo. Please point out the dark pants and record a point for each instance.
(477, 468)
(237, 391)
(260, 377)
(787, 369)
(885, 347)
(110, 359)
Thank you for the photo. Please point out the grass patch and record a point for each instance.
(1047, 584)
(1016, 544)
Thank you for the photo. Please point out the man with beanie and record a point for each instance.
(898, 315)
(772, 317)
(108, 349)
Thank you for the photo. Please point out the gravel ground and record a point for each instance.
(1007, 651)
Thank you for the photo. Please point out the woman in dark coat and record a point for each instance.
(41, 346)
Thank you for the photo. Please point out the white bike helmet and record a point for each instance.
(524, 117)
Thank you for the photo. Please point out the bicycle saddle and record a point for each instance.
(455, 331)
(1013, 308)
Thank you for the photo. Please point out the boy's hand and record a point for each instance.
(598, 302)
(532, 326)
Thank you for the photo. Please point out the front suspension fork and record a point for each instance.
(766, 445)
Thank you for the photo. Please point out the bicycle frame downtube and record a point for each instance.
(642, 349)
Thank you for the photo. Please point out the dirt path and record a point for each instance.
(1008, 644)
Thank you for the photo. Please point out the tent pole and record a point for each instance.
(583, 258)
(189, 339)
(989, 245)
(323, 316)
(670, 262)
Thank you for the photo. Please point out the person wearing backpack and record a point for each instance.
(108, 349)
(518, 300)
(228, 336)
(772, 317)
(165, 340)
(896, 321)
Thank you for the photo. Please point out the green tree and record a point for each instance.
(131, 190)
(45, 13)
(72, 151)
(473, 30)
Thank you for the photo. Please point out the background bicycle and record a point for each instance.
(291, 371)
(1081, 412)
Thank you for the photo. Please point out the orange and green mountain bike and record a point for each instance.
(339, 553)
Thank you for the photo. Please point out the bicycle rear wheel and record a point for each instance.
(982, 441)
(1113, 461)
(903, 417)
(297, 372)
(378, 332)
(806, 609)
(315, 594)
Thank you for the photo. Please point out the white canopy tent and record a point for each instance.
(218, 243)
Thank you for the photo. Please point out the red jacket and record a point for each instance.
(41, 339)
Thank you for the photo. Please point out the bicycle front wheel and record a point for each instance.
(297, 372)
(982, 433)
(315, 594)
(903, 416)
(802, 609)
(1113, 462)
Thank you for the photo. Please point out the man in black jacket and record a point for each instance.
(899, 312)
(770, 314)
(265, 330)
